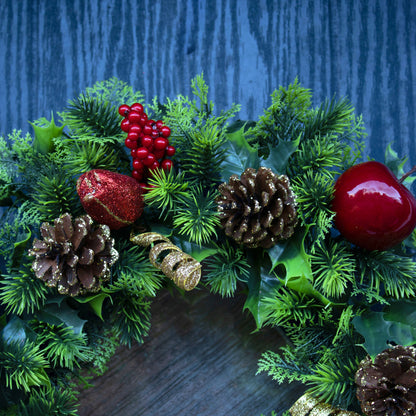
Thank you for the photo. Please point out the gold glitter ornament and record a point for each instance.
(178, 266)
(75, 256)
(308, 405)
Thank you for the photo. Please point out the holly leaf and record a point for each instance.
(280, 154)
(261, 283)
(20, 248)
(294, 265)
(396, 325)
(239, 154)
(95, 302)
(396, 165)
(14, 331)
(59, 313)
(44, 135)
(198, 252)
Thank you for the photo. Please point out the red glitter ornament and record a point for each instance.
(110, 198)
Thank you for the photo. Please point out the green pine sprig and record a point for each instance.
(223, 270)
(196, 217)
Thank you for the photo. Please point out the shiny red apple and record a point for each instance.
(373, 209)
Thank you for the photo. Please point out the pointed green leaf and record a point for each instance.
(198, 252)
(396, 165)
(44, 136)
(14, 331)
(279, 155)
(20, 247)
(239, 155)
(261, 283)
(56, 314)
(95, 302)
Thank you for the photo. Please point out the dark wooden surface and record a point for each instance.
(199, 358)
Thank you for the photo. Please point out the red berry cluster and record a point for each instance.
(147, 140)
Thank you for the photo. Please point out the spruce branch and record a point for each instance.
(333, 268)
(61, 345)
(223, 270)
(49, 401)
(196, 216)
(23, 365)
(54, 193)
(87, 115)
(387, 272)
(134, 265)
(21, 292)
(165, 191)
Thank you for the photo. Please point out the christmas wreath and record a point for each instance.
(121, 198)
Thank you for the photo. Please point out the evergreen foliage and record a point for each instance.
(315, 286)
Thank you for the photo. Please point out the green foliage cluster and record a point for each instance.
(327, 295)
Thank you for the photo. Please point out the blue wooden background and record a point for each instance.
(363, 49)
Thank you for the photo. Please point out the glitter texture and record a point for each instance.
(307, 405)
(178, 266)
(110, 198)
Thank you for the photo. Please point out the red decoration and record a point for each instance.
(110, 198)
(373, 209)
(147, 140)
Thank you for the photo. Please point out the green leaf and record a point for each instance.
(44, 136)
(280, 155)
(239, 155)
(380, 329)
(261, 282)
(20, 248)
(57, 314)
(396, 164)
(198, 252)
(14, 331)
(296, 264)
(95, 302)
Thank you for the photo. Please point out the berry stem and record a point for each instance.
(413, 170)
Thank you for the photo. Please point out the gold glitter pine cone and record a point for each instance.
(73, 256)
(387, 386)
(258, 209)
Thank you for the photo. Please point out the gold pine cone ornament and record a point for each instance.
(258, 209)
(74, 256)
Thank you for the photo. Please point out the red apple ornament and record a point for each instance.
(373, 209)
(110, 198)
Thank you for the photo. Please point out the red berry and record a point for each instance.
(372, 208)
(151, 123)
(124, 110)
(137, 107)
(141, 153)
(147, 142)
(130, 144)
(135, 128)
(134, 117)
(170, 151)
(159, 124)
(149, 160)
(165, 131)
(137, 164)
(166, 164)
(155, 133)
(133, 153)
(132, 135)
(147, 130)
(125, 125)
(160, 143)
(138, 175)
(159, 154)
(143, 119)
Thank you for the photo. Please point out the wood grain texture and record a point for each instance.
(200, 359)
(362, 49)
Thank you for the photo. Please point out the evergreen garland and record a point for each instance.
(323, 292)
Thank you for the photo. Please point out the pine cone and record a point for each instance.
(259, 209)
(73, 256)
(388, 386)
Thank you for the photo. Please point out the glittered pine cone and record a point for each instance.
(387, 386)
(73, 256)
(258, 209)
